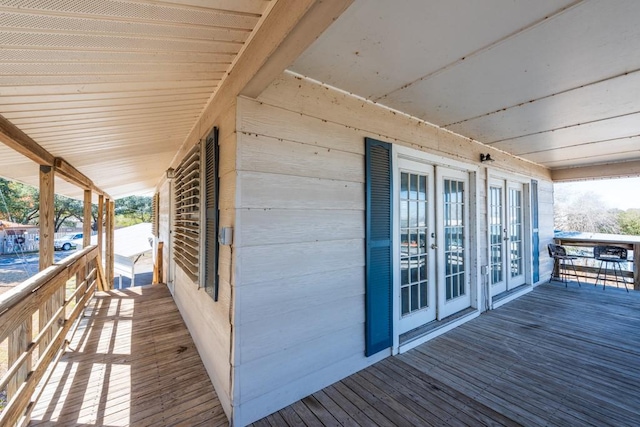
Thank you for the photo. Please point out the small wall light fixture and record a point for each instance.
(486, 158)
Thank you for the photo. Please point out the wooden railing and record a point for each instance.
(56, 301)
(581, 244)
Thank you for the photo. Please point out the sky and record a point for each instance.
(623, 193)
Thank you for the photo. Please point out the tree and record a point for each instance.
(65, 208)
(21, 203)
(138, 207)
(584, 212)
(18, 202)
(629, 221)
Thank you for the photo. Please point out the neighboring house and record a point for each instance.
(18, 238)
(312, 229)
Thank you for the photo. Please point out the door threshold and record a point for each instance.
(424, 333)
(510, 295)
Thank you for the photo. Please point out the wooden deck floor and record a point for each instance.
(555, 357)
(132, 362)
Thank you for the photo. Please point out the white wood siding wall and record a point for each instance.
(299, 289)
(545, 224)
(210, 322)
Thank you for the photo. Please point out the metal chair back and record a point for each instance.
(612, 253)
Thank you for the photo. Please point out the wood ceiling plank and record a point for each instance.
(58, 24)
(566, 51)
(63, 111)
(114, 116)
(108, 88)
(245, 6)
(607, 99)
(378, 47)
(614, 128)
(164, 131)
(49, 55)
(145, 12)
(91, 79)
(114, 95)
(106, 104)
(93, 129)
(109, 68)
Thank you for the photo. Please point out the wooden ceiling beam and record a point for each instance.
(19, 141)
(14, 138)
(313, 23)
(288, 27)
(602, 171)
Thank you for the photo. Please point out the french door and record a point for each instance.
(506, 235)
(452, 200)
(417, 245)
(433, 256)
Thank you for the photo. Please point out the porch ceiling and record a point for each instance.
(556, 82)
(115, 86)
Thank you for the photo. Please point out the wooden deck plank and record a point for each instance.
(132, 362)
(556, 356)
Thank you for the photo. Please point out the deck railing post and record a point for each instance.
(18, 342)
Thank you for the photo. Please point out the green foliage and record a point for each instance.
(21, 203)
(629, 221)
(18, 202)
(65, 209)
(133, 210)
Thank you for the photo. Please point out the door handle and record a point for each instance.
(434, 246)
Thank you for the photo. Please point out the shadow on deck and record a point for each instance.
(132, 362)
(557, 356)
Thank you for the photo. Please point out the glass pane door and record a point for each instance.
(497, 233)
(506, 235)
(416, 260)
(516, 235)
(453, 276)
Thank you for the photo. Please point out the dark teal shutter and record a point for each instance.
(535, 240)
(212, 195)
(379, 264)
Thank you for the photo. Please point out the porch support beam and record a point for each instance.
(86, 220)
(47, 226)
(274, 46)
(14, 138)
(109, 249)
(612, 170)
(99, 227)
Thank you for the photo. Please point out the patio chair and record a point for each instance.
(560, 262)
(613, 255)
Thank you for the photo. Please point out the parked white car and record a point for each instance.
(70, 241)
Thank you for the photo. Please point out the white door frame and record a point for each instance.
(507, 178)
(474, 251)
(448, 307)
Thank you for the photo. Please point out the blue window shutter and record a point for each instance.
(379, 258)
(535, 240)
